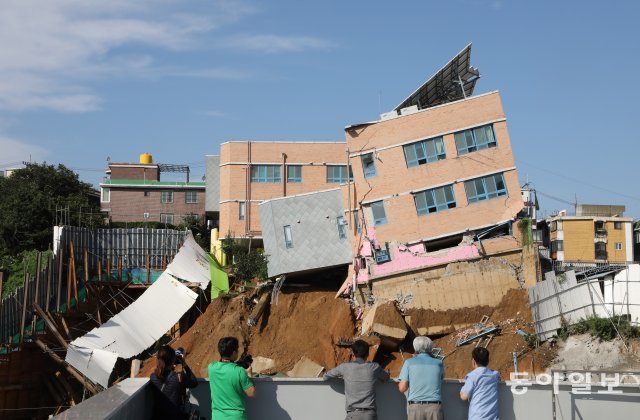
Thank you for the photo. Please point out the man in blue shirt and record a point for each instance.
(422, 376)
(481, 387)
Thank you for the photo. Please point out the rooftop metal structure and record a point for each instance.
(168, 167)
(455, 81)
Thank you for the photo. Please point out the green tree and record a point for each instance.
(28, 200)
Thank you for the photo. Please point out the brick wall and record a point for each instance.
(129, 205)
(395, 182)
(137, 172)
(313, 157)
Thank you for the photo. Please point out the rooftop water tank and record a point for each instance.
(146, 158)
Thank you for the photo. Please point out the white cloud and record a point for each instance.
(51, 50)
(15, 151)
(277, 43)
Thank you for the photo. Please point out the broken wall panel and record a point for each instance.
(456, 286)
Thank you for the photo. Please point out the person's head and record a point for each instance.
(480, 356)
(422, 344)
(360, 349)
(165, 359)
(227, 346)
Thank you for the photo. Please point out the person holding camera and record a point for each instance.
(171, 383)
(230, 381)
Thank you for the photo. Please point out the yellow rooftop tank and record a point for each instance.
(146, 158)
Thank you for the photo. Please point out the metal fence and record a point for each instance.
(127, 248)
(130, 246)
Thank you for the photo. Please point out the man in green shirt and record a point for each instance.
(229, 383)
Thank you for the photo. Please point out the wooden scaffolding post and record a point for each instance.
(99, 269)
(49, 281)
(51, 326)
(91, 387)
(69, 286)
(86, 265)
(25, 290)
(73, 272)
(109, 268)
(119, 268)
(60, 267)
(148, 268)
(34, 318)
(67, 387)
(164, 262)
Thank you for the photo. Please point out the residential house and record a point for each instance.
(134, 192)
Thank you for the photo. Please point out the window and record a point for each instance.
(191, 197)
(166, 218)
(617, 225)
(356, 221)
(342, 227)
(368, 165)
(618, 246)
(166, 197)
(265, 173)
(424, 152)
(147, 193)
(601, 251)
(475, 139)
(106, 195)
(485, 188)
(557, 246)
(294, 173)
(288, 240)
(434, 200)
(379, 215)
(337, 174)
(537, 235)
(242, 208)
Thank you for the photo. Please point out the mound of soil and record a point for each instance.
(301, 324)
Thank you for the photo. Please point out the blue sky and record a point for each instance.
(81, 80)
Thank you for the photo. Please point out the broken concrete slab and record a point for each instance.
(262, 364)
(384, 320)
(305, 368)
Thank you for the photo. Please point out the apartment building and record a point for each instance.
(252, 172)
(636, 235)
(597, 234)
(134, 192)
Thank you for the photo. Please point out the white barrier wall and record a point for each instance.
(314, 399)
(561, 296)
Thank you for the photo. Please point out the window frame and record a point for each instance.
(288, 236)
(105, 192)
(486, 194)
(242, 210)
(167, 216)
(168, 194)
(469, 136)
(617, 225)
(422, 146)
(382, 220)
(295, 179)
(369, 169)
(618, 248)
(195, 197)
(345, 171)
(342, 227)
(266, 174)
(356, 221)
(436, 206)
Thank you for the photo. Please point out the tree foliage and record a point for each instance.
(28, 200)
(247, 264)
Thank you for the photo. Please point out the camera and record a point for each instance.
(245, 361)
(179, 356)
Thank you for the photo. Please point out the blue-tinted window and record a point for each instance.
(356, 220)
(288, 239)
(265, 173)
(485, 188)
(379, 215)
(337, 174)
(475, 139)
(368, 165)
(425, 151)
(342, 227)
(294, 173)
(434, 200)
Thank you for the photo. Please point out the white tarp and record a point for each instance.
(142, 323)
(191, 264)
